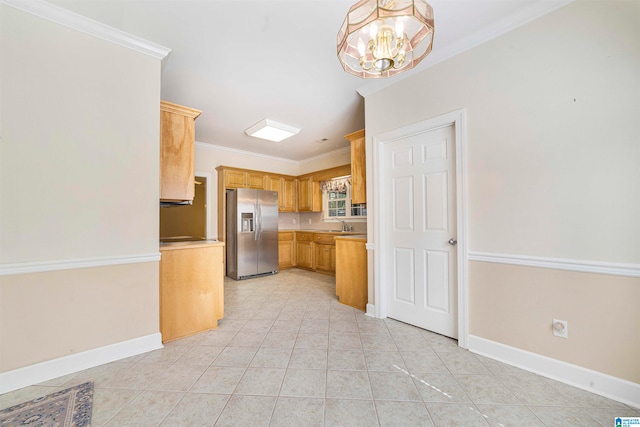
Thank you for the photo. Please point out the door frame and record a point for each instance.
(207, 201)
(458, 120)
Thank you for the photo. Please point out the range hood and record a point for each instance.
(170, 204)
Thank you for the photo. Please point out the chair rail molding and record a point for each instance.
(70, 264)
(584, 266)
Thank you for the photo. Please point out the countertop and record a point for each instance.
(333, 232)
(189, 245)
(362, 237)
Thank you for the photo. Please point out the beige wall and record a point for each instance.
(78, 179)
(44, 316)
(552, 150)
(514, 305)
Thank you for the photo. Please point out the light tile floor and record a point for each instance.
(288, 354)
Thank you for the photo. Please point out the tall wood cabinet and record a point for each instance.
(177, 138)
(358, 167)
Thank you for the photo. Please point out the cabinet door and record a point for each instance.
(325, 258)
(304, 254)
(177, 133)
(274, 183)
(309, 195)
(305, 190)
(286, 254)
(288, 199)
(256, 180)
(235, 179)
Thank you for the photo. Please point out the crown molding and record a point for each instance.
(88, 26)
(333, 153)
(534, 11)
(208, 146)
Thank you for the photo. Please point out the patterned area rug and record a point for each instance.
(65, 408)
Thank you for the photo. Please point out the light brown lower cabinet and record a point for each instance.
(351, 272)
(304, 254)
(191, 288)
(325, 258)
(286, 250)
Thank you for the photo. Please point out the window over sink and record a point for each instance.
(336, 201)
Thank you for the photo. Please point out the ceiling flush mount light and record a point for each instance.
(271, 130)
(380, 38)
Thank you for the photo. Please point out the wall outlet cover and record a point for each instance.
(560, 328)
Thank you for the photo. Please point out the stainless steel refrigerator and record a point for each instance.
(252, 233)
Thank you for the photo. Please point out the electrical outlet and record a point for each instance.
(309, 220)
(294, 220)
(560, 328)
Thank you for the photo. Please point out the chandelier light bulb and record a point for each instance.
(373, 30)
(399, 28)
(381, 38)
(361, 50)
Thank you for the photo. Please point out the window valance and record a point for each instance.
(336, 184)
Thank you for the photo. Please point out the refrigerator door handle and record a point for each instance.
(259, 221)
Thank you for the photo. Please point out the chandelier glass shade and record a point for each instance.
(380, 38)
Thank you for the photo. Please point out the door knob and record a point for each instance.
(453, 241)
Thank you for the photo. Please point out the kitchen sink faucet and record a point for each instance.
(346, 227)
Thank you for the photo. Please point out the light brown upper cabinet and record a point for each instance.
(286, 188)
(177, 137)
(309, 195)
(235, 179)
(358, 167)
(256, 180)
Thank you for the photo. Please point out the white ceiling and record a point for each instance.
(242, 61)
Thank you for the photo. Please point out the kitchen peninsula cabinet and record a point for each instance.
(177, 138)
(358, 167)
(351, 271)
(191, 288)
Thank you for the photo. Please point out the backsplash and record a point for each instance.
(314, 221)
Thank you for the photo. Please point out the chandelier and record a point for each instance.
(380, 38)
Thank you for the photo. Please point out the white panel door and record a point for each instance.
(419, 200)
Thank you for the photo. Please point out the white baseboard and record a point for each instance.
(586, 379)
(371, 310)
(40, 372)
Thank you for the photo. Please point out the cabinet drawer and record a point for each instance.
(285, 236)
(326, 239)
(304, 237)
